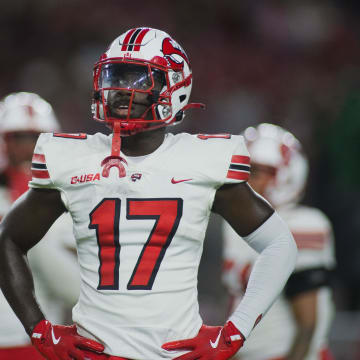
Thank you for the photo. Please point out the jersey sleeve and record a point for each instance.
(220, 159)
(238, 166)
(41, 176)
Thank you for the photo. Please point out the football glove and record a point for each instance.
(211, 343)
(57, 342)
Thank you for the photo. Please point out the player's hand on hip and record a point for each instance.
(211, 343)
(57, 342)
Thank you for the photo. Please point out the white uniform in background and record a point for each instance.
(139, 237)
(273, 336)
(53, 260)
(277, 154)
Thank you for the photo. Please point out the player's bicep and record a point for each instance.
(241, 207)
(31, 216)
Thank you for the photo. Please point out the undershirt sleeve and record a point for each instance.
(277, 257)
(307, 280)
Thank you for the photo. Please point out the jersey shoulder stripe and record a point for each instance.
(239, 162)
(38, 167)
(240, 159)
(239, 168)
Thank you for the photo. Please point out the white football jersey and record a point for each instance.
(273, 336)
(139, 237)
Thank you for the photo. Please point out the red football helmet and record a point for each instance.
(146, 64)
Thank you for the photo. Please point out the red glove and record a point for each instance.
(57, 342)
(211, 343)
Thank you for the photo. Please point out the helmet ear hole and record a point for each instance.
(179, 116)
(182, 98)
(97, 95)
(155, 96)
(157, 112)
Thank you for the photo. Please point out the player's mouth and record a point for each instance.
(122, 110)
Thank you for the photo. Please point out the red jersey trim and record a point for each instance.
(237, 175)
(310, 240)
(38, 158)
(240, 159)
(79, 136)
(40, 174)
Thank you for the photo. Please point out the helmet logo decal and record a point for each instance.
(170, 48)
(30, 111)
(285, 153)
(133, 39)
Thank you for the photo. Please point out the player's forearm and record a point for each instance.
(17, 284)
(273, 267)
(301, 344)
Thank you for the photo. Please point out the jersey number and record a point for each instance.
(105, 219)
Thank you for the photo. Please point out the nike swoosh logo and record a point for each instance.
(215, 344)
(173, 181)
(54, 339)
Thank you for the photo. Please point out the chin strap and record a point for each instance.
(194, 106)
(114, 159)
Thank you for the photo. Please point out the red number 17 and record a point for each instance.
(105, 219)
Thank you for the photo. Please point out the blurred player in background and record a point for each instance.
(297, 325)
(23, 116)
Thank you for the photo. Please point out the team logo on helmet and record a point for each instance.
(170, 48)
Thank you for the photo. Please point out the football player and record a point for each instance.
(140, 200)
(297, 325)
(23, 116)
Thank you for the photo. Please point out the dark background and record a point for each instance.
(292, 63)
